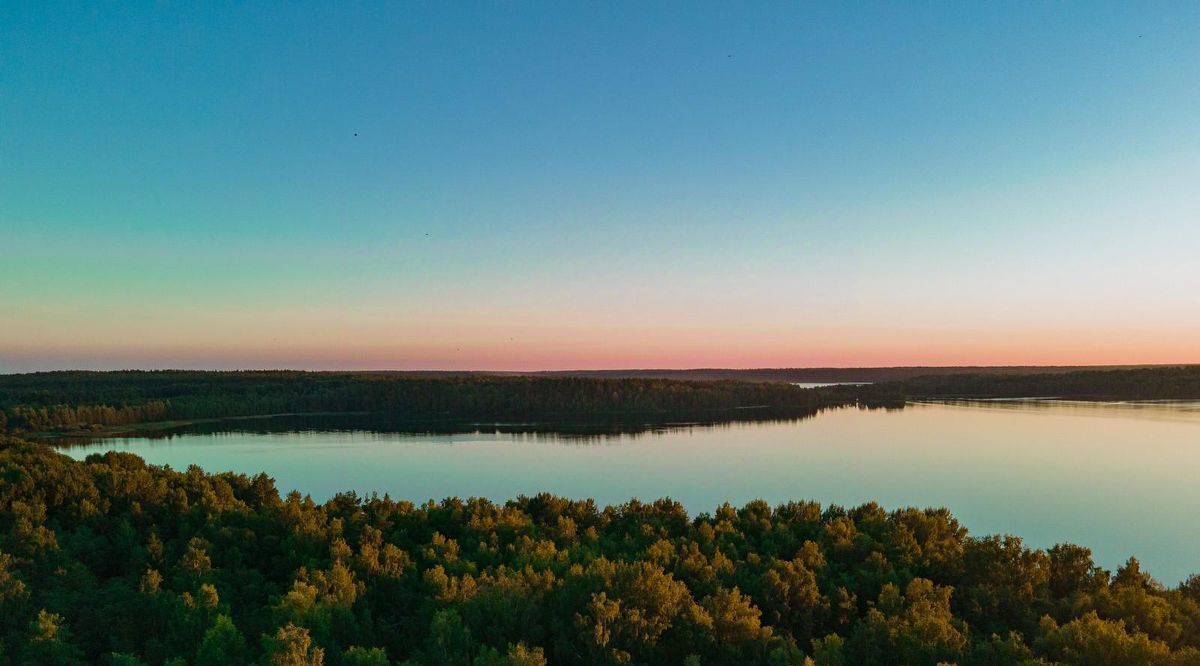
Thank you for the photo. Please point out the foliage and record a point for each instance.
(1159, 383)
(112, 561)
(84, 401)
(77, 402)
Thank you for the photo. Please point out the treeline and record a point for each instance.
(81, 400)
(78, 417)
(72, 401)
(1165, 383)
(878, 374)
(112, 561)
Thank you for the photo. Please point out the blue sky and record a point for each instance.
(582, 185)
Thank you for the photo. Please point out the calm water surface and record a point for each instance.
(1121, 478)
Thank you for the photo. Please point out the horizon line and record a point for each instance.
(1104, 366)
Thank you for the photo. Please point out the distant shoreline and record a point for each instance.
(90, 403)
(865, 374)
(840, 375)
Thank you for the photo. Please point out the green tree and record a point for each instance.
(829, 651)
(448, 642)
(49, 642)
(292, 646)
(735, 619)
(1091, 641)
(222, 644)
(916, 627)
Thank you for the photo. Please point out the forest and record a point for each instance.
(111, 561)
(71, 401)
(74, 402)
(1159, 383)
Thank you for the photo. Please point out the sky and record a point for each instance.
(536, 185)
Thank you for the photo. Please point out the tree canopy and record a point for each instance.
(113, 561)
(75, 402)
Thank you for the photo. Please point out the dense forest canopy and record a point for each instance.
(1163, 383)
(112, 561)
(71, 401)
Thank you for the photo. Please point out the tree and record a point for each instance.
(791, 597)
(448, 642)
(1091, 641)
(13, 591)
(292, 646)
(829, 651)
(222, 644)
(735, 619)
(915, 627)
(49, 642)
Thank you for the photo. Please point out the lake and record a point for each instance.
(1120, 478)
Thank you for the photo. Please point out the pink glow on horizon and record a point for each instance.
(931, 350)
(384, 340)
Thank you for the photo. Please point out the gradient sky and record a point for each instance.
(565, 185)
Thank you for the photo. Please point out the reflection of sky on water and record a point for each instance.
(1119, 478)
(1171, 410)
